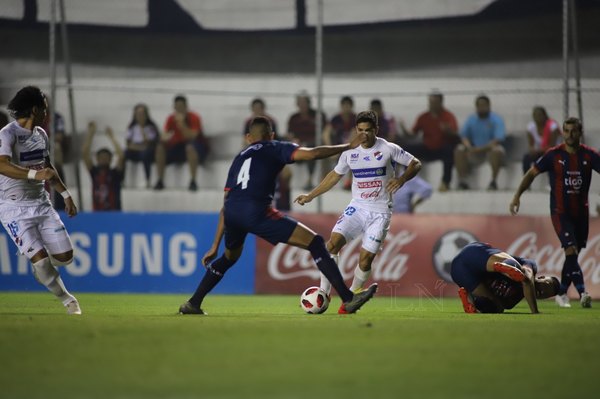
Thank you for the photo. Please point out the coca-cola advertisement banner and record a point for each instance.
(415, 259)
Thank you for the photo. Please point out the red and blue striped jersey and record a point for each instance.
(570, 176)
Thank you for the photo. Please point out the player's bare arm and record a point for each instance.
(523, 186)
(325, 151)
(326, 184)
(9, 169)
(214, 249)
(529, 289)
(411, 171)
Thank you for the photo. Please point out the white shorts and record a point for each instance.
(372, 225)
(33, 228)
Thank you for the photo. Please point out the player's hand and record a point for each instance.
(358, 139)
(45, 174)
(70, 207)
(394, 185)
(209, 256)
(514, 206)
(303, 199)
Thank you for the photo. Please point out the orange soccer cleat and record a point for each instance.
(468, 307)
(510, 271)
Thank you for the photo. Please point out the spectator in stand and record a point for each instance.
(3, 119)
(182, 141)
(281, 198)
(542, 133)
(302, 127)
(413, 193)
(482, 136)
(387, 123)
(106, 181)
(338, 131)
(142, 136)
(440, 136)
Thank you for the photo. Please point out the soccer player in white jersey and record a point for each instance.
(25, 209)
(374, 181)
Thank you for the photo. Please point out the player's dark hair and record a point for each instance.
(104, 151)
(263, 122)
(149, 121)
(367, 116)
(258, 100)
(347, 99)
(482, 97)
(180, 97)
(25, 100)
(541, 109)
(574, 121)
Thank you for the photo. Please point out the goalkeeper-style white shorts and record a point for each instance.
(355, 221)
(33, 228)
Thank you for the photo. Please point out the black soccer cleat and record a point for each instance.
(188, 308)
(358, 300)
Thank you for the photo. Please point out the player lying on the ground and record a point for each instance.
(491, 280)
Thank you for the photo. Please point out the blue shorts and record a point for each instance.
(571, 231)
(468, 268)
(268, 224)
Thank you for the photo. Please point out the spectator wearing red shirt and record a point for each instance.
(106, 181)
(440, 136)
(182, 141)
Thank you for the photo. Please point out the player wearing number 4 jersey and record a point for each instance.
(374, 181)
(247, 209)
(25, 209)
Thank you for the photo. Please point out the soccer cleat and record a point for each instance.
(562, 301)
(510, 271)
(358, 290)
(188, 308)
(586, 300)
(73, 307)
(468, 307)
(358, 300)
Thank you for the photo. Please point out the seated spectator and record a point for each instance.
(440, 136)
(3, 119)
(482, 136)
(302, 127)
(338, 131)
(387, 122)
(106, 181)
(142, 136)
(282, 188)
(182, 141)
(542, 133)
(412, 193)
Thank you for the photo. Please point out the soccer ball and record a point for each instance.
(447, 247)
(314, 300)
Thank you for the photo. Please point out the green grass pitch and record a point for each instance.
(135, 346)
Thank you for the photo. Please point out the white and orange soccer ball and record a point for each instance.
(314, 300)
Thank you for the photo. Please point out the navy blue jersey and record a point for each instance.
(570, 176)
(253, 173)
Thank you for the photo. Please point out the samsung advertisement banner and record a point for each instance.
(134, 252)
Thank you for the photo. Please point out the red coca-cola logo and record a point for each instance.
(550, 257)
(370, 194)
(287, 262)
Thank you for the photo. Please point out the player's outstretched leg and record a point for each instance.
(325, 285)
(468, 307)
(510, 271)
(47, 275)
(214, 273)
(358, 300)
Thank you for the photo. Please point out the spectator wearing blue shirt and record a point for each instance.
(482, 135)
(411, 194)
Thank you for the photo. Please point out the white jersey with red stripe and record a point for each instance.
(371, 169)
(28, 149)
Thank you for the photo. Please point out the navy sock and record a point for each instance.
(565, 275)
(576, 273)
(214, 274)
(328, 267)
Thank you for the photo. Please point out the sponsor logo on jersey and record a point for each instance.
(369, 172)
(378, 155)
(353, 156)
(369, 184)
(367, 158)
(31, 155)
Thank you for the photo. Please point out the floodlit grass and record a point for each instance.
(135, 346)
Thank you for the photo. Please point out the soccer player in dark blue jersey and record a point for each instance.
(247, 209)
(569, 166)
(491, 280)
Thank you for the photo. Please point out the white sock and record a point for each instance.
(359, 278)
(325, 284)
(49, 277)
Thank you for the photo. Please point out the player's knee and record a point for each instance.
(62, 259)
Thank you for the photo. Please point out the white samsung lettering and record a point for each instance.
(82, 262)
(182, 254)
(5, 264)
(114, 266)
(145, 254)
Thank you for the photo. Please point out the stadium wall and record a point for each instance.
(141, 252)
